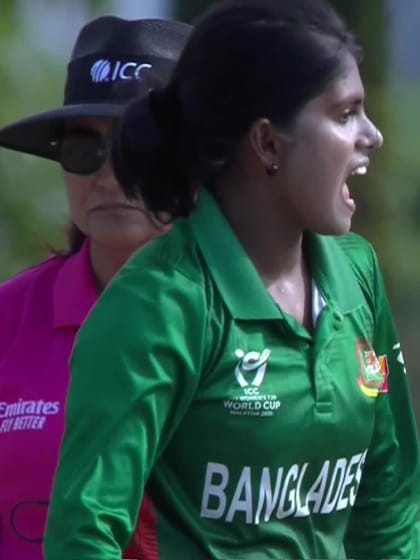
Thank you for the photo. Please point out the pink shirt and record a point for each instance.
(41, 310)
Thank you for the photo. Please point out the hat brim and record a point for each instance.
(35, 135)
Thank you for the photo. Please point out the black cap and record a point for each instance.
(113, 60)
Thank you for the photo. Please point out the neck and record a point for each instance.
(274, 245)
(106, 262)
(271, 240)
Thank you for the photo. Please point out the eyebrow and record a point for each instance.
(357, 100)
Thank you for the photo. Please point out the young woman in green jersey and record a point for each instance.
(244, 368)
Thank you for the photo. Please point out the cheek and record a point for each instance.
(322, 162)
(304, 170)
(78, 192)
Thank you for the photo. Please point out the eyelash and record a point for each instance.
(347, 115)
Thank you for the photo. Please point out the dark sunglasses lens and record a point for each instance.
(81, 154)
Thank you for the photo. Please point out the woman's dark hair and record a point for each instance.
(245, 59)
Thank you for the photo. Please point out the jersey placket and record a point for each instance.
(329, 324)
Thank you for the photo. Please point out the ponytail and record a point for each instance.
(148, 157)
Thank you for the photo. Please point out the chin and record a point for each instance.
(132, 230)
(338, 227)
(340, 221)
(341, 229)
(124, 238)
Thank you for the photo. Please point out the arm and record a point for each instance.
(135, 368)
(385, 520)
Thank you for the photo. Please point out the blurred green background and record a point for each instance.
(36, 38)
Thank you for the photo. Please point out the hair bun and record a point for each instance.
(146, 155)
(137, 131)
(166, 108)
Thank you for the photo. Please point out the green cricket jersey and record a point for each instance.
(253, 439)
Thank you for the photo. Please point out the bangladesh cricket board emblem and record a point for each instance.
(373, 378)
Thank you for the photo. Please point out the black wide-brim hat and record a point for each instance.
(113, 61)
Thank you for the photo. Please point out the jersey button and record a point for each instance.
(338, 319)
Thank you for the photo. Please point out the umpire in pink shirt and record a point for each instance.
(42, 308)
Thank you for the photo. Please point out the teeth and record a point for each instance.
(360, 170)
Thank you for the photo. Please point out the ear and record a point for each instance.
(268, 142)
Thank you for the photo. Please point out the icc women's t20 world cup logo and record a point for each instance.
(250, 399)
(251, 367)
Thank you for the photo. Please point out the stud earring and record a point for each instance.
(272, 170)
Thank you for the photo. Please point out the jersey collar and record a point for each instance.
(234, 274)
(74, 290)
(238, 281)
(332, 272)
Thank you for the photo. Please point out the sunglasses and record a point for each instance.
(82, 151)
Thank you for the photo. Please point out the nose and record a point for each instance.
(371, 137)
(106, 176)
(378, 138)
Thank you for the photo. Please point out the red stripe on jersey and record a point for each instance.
(143, 545)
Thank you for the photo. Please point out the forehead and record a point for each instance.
(102, 125)
(346, 86)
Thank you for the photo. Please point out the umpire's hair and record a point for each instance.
(245, 59)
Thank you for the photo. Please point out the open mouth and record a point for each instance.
(360, 169)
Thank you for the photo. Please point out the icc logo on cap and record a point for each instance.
(103, 70)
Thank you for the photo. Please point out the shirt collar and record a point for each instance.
(238, 281)
(75, 292)
(332, 272)
(233, 272)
